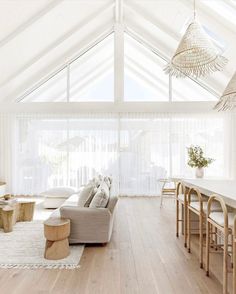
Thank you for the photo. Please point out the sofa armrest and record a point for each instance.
(88, 225)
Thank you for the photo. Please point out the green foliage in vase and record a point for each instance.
(196, 158)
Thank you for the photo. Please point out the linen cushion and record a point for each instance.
(58, 192)
(94, 191)
(214, 207)
(100, 199)
(107, 181)
(105, 187)
(86, 195)
(218, 217)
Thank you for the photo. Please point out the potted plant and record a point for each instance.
(197, 160)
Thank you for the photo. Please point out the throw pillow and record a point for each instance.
(94, 191)
(106, 179)
(105, 187)
(100, 199)
(85, 195)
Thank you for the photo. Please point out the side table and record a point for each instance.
(15, 210)
(56, 232)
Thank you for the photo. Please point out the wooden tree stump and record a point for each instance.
(15, 211)
(56, 231)
(25, 210)
(7, 218)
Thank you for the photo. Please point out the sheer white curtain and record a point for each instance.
(42, 151)
(153, 142)
(144, 152)
(63, 150)
(7, 126)
(210, 131)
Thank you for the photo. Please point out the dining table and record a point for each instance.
(224, 188)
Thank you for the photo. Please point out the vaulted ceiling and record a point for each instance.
(37, 37)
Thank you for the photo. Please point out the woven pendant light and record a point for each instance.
(228, 99)
(196, 54)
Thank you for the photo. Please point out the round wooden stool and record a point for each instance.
(56, 231)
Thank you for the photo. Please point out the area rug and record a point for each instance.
(24, 248)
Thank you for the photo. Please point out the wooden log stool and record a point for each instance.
(7, 218)
(56, 231)
(25, 210)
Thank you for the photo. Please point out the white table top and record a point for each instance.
(224, 188)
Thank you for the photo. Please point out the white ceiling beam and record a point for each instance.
(29, 22)
(56, 43)
(101, 107)
(119, 11)
(211, 14)
(119, 52)
(143, 14)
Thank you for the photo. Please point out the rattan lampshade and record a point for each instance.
(228, 99)
(196, 55)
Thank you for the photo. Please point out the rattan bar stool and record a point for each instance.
(224, 222)
(234, 257)
(181, 199)
(199, 207)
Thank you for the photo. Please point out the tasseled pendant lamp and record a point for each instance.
(196, 54)
(228, 99)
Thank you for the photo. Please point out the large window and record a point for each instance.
(136, 149)
(53, 90)
(90, 78)
(92, 75)
(144, 78)
(63, 152)
(189, 90)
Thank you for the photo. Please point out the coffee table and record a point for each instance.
(15, 210)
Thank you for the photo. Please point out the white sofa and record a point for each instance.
(88, 225)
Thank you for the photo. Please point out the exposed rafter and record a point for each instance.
(142, 14)
(119, 52)
(59, 41)
(209, 13)
(29, 22)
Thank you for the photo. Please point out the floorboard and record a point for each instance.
(144, 257)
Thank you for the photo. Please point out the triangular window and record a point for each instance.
(89, 78)
(144, 77)
(53, 90)
(92, 75)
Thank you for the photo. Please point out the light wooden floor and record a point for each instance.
(144, 257)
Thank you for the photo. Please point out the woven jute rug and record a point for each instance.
(24, 248)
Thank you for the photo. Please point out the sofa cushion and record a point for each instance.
(100, 199)
(86, 195)
(87, 203)
(58, 192)
(107, 181)
(71, 201)
(56, 213)
(105, 186)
